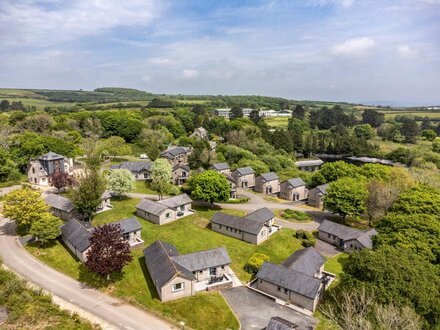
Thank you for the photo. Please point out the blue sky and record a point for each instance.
(346, 50)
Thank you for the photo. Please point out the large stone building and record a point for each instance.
(44, 167)
(176, 155)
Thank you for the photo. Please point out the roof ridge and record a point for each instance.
(177, 272)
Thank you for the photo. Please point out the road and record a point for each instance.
(112, 311)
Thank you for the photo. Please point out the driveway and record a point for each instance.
(326, 249)
(112, 311)
(254, 310)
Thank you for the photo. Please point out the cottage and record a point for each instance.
(42, 169)
(316, 196)
(60, 206)
(254, 228)
(175, 276)
(141, 170)
(278, 323)
(131, 231)
(180, 174)
(244, 177)
(309, 165)
(298, 280)
(176, 155)
(105, 202)
(346, 238)
(221, 168)
(267, 183)
(293, 190)
(200, 133)
(232, 185)
(166, 210)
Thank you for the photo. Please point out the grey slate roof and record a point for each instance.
(278, 323)
(40, 171)
(106, 194)
(322, 188)
(151, 207)
(219, 166)
(296, 182)
(306, 261)
(261, 215)
(176, 201)
(301, 163)
(244, 170)
(182, 166)
(203, 259)
(174, 152)
(59, 202)
(271, 176)
(134, 167)
(292, 280)
(77, 235)
(50, 156)
(161, 267)
(230, 178)
(365, 238)
(243, 224)
(129, 225)
(339, 230)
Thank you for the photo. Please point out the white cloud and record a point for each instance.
(405, 51)
(190, 74)
(355, 47)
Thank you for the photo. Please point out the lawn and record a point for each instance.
(277, 122)
(143, 187)
(334, 264)
(188, 235)
(293, 216)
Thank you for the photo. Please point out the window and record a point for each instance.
(178, 287)
(285, 291)
(200, 271)
(167, 215)
(145, 175)
(33, 170)
(279, 289)
(351, 246)
(262, 233)
(261, 281)
(223, 267)
(220, 226)
(329, 235)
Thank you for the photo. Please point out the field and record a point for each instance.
(188, 235)
(277, 122)
(389, 115)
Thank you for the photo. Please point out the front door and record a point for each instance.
(213, 271)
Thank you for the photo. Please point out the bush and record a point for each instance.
(254, 263)
(296, 215)
(240, 200)
(306, 238)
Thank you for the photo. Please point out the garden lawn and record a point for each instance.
(334, 264)
(188, 234)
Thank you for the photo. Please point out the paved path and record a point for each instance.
(111, 310)
(7, 190)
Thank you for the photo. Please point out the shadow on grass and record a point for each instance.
(151, 287)
(91, 280)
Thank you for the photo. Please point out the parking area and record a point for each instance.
(326, 249)
(254, 310)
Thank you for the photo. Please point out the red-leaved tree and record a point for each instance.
(61, 180)
(109, 252)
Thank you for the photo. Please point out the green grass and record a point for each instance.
(143, 187)
(188, 235)
(334, 264)
(277, 122)
(324, 323)
(293, 215)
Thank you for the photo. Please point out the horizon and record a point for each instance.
(328, 50)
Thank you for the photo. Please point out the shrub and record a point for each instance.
(255, 261)
(297, 215)
(306, 238)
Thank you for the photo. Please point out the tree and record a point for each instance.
(46, 228)
(334, 170)
(346, 196)
(299, 112)
(87, 194)
(377, 200)
(24, 206)
(154, 140)
(255, 116)
(426, 123)
(60, 180)
(161, 176)
(201, 154)
(419, 199)
(254, 263)
(4, 105)
(281, 139)
(410, 130)
(114, 146)
(236, 112)
(373, 118)
(120, 181)
(364, 131)
(109, 252)
(210, 186)
(429, 134)
(296, 129)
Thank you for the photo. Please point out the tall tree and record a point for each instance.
(410, 130)
(255, 116)
(120, 181)
(210, 186)
(364, 131)
(61, 180)
(281, 139)
(161, 176)
(236, 112)
(46, 228)
(377, 200)
(299, 112)
(296, 129)
(4, 105)
(373, 118)
(109, 252)
(114, 146)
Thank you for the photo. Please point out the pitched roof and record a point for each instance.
(243, 224)
(261, 215)
(59, 202)
(129, 225)
(296, 182)
(50, 156)
(40, 171)
(161, 267)
(203, 259)
(306, 261)
(269, 176)
(182, 166)
(77, 235)
(365, 238)
(173, 152)
(219, 166)
(341, 231)
(106, 194)
(322, 188)
(151, 207)
(292, 280)
(244, 170)
(278, 323)
(301, 163)
(135, 167)
(230, 178)
(176, 201)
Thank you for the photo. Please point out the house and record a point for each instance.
(60, 206)
(180, 174)
(140, 170)
(200, 133)
(44, 167)
(293, 190)
(176, 155)
(278, 323)
(267, 183)
(164, 211)
(76, 235)
(177, 275)
(346, 238)
(232, 185)
(254, 228)
(221, 168)
(309, 165)
(244, 177)
(223, 112)
(105, 202)
(316, 196)
(298, 280)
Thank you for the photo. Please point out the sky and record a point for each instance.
(363, 51)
